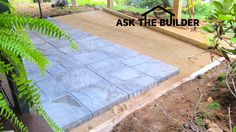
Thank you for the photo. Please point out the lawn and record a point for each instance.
(92, 2)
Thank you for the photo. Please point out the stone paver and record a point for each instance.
(122, 76)
(119, 53)
(79, 85)
(90, 57)
(100, 96)
(163, 72)
(67, 82)
(66, 61)
(67, 112)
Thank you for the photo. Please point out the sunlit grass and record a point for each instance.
(92, 2)
(129, 8)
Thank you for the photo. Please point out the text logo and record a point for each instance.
(153, 22)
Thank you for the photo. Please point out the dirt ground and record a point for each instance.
(173, 111)
(32, 9)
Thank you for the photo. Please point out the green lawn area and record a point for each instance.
(92, 2)
(197, 16)
(131, 9)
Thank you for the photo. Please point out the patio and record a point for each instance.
(116, 72)
(80, 85)
(143, 40)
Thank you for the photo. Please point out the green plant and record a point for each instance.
(199, 120)
(214, 106)
(15, 45)
(222, 26)
(235, 129)
(143, 3)
(92, 2)
(203, 9)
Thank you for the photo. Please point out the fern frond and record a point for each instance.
(40, 25)
(16, 45)
(1, 127)
(51, 123)
(15, 62)
(7, 113)
(5, 68)
(29, 93)
(19, 46)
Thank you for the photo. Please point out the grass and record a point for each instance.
(197, 16)
(131, 9)
(21, 1)
(92, 2)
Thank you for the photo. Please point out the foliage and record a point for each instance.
(199, 119)
(131, 9)
(202, 10)
(221, 77)
(15, 45)
(8, 113)
(222, 25)
(143, 3)
(235, 129)
(92, 2)
(214, 106)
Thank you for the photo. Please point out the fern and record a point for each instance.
(1, 127)
(31, 94)
(15, 45)
(5, 68)
(9, 114)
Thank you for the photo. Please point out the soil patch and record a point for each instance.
(178, 106)
(32, 9)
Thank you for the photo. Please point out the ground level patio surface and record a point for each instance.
(80, 85)
(113, 64)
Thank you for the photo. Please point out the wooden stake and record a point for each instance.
(74, 3)
(40, 9)
(110, 4)
(177, 9)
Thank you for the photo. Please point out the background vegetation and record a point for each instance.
(140, 6)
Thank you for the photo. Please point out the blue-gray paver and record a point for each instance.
(34, 72)
(136, 60)
(67, 50)
(67, 112)
(122, 76)
(93, 44)
(56, 69)
(163, 72)
(67, 82)
(119, 53)
(90, 57)
(48, 49)
(100, 96)
(58, 43)
(66, 61)
(78, 35)
(79, 85)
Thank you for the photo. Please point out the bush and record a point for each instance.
(203, 8)
(141, 3)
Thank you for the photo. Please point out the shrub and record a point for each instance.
(222, 26)
(141, 3)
